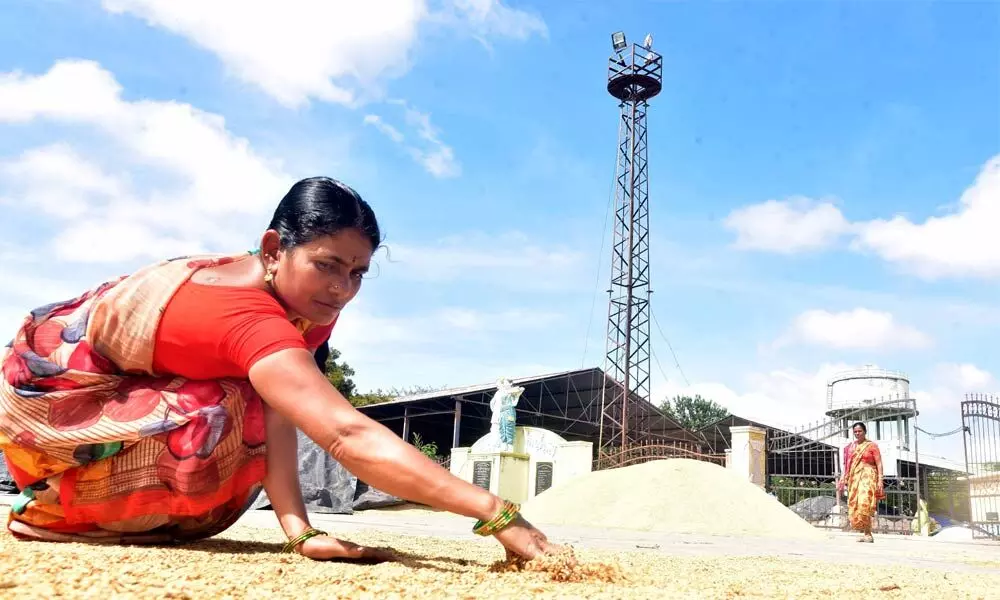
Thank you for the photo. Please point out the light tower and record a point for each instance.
(634, 76)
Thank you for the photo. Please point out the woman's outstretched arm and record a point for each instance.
(290, 383)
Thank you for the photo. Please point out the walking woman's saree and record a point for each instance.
(864, 489)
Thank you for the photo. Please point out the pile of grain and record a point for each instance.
(676, 495)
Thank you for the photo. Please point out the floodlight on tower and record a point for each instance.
(618, 41)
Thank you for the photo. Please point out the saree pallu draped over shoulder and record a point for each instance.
(103, 448)
(863, 490)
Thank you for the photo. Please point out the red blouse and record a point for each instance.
(871, 455)
(210, 332)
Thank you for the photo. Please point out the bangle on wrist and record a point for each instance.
(302, 537)
(508, 512)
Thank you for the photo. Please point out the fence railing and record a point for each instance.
(645, 452)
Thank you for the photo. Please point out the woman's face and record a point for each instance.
(315, 281)
(859, 433)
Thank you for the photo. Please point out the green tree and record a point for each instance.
(378, 396)
(340, 374)
(430, 449)
(693, 413)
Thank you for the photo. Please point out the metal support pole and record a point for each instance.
(457, 425)
(406, 424)
(916, 451)
(965, 453)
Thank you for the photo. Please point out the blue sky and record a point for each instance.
(825, 177)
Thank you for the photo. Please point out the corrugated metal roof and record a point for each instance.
(571, 397)
(483, 387)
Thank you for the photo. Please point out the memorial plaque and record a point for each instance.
(543, 477)
(481, 471)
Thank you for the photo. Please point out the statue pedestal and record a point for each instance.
(540, 459)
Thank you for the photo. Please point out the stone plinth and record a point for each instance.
(540, 459)
(748, 456)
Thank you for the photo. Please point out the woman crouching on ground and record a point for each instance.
(152, 408)
(863, 481)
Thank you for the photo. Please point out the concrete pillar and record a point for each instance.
(748, 456)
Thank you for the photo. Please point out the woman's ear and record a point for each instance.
(270, 245)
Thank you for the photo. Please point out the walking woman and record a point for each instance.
(863, 481)
(152, 408)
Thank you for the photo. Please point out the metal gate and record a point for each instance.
(803, 467)
(981, 426)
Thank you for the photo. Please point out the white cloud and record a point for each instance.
(388, 130)
(964, 376)
(939, 401)
(957, 244)
(314, 49)
(58, 181)
(490, 18)
(72, 91)
(860, 328)
(446, 325)
(786, 227)
(212, 179)
(787, 398)
(455, 345)
(340, 52)
(507, 260)
(436, 157)
(108, 241)
(439, 159)
(26, 287)
(298, 49)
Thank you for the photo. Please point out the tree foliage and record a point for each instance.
(430, 449)
(693, 412)
(379, 395)
(340, 375)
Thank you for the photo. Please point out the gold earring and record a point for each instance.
(269, 276)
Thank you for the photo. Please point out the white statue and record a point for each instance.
(503, 419)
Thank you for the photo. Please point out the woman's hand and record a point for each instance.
(522, 539)
(324, 547)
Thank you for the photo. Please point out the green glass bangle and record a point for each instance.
(505, 517)
(305, 535)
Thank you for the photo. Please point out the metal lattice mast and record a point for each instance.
(634, 76)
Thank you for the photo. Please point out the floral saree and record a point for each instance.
(103, 448)
(863, 489)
